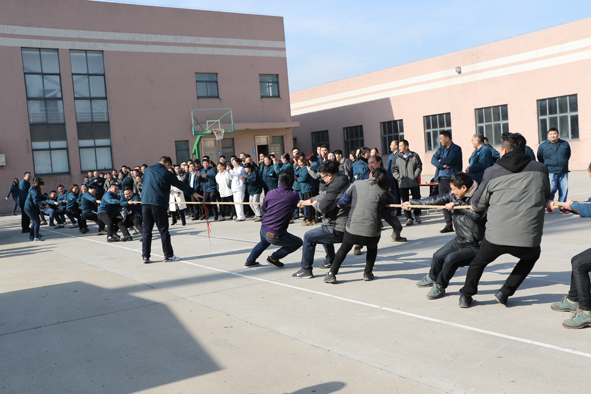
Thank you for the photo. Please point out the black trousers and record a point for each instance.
(93, 217)
(133, 220)
(113, 222)
(154, 214)
(310, 211)
(579, 283)
(212, 209)
(405, 192)
(81, 220)
(488, 253)
(444, 188)
(226, 210)
(25, 220)
(349, 241)
(175, 215)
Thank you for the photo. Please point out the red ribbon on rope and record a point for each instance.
(207, 220)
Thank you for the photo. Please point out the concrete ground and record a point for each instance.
(78, 315)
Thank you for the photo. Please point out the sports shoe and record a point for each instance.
(147, 260)
(357, 250)
(276, 263)
(258, 219)
(112, 239)
(565, 305)
(74, 226)
(447, 229)
(398, 239)
(425, 281)
(409, 222)
(221, 219)
(126, 238)
(171, 259)
(307, 223)
(303, 274)
(102, 232)
(436, 292)
(39, 239)
(465, 301)
(579, 319)
(240, 220)
(330, 278)
(326, 265)
(84, 230)
(418, 219)
(59, 226)
(253, 264)
(367, 276)
(116, 237)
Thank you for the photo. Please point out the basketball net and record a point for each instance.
(219, 134)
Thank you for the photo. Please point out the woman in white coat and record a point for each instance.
(224, 181)
(176, 210)
(238, 187)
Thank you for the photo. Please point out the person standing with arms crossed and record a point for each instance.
(448, 161)
(157, 182)
(555, 153)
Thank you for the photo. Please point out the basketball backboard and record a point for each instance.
(207, 119)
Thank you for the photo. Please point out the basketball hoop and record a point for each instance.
(219, 134)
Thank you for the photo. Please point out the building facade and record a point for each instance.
(525, 84)
(94, 86)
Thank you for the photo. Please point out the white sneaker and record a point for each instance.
(170, 259)
(38, 239)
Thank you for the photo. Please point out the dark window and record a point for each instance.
(560, 112)
(391, 130)
(434, 124)
(207, 85)
(92, 111)
(491, 122)
(353, 139)
(269, 84)
(228, 147)
(182, 151)
(320, 138)
(46, 110)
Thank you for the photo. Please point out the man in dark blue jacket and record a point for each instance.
(555, 153)
(109, 213)
(448, 161)
(88, 204)
(132, 209)
(23, 192)
(210, 189)
(480, 159)
(254, 185)
(155, 196)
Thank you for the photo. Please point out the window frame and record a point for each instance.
(90, 99)
(481, 127)
(207, 82)
(350, 143)
(269, 84)
(427, 121)
(543, 136)
(45, 99)
(319, 142)
(387, 136)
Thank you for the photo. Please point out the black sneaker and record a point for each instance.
(303, 274)
(126, 238)
(367, 276)
(465, 301)
(326, 265)
(330, 278)
(276, 263)
(501, 297)
(447, 229)
(253, 264)
(147, 260)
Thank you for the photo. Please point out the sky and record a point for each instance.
(331, 40)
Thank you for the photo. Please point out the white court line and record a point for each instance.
(383, 308)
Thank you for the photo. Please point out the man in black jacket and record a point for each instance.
(469, 226)
(336, 218)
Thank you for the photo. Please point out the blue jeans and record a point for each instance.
(15, 206)
(289, 243)
(559, 182)
(35, 223)
(326, 236)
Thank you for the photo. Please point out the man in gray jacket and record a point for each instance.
(407, 168)
(514, 192)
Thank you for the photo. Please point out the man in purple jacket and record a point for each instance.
(278, 207)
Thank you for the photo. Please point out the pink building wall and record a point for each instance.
(151, 55)
(516, 72)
